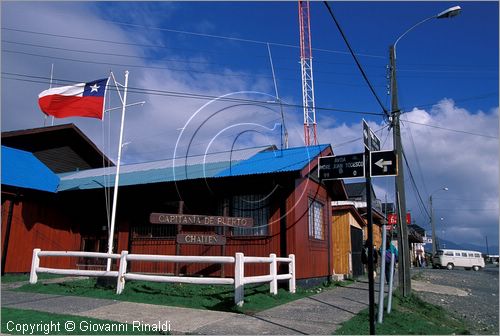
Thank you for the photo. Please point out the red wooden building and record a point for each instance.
(33, 213)
(278, 189)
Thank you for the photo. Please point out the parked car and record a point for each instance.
(450, 259)
(492, 259)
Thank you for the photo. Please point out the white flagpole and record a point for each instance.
(50, 87)
(117, 177)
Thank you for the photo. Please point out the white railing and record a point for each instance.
(37, 253)
(239, 281)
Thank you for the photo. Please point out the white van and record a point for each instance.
(458, 258)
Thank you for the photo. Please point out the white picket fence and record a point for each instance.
(239, 260)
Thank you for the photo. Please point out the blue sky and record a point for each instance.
(447, 78)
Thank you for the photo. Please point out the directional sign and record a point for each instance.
(371, 140)
(341, 166)
(383, 163)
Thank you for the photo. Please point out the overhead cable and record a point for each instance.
(356, 60)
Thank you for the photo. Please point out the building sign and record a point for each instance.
(163, 218)
(392, 219)
(201, 239)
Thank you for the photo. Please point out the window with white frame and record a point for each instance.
(316, 220)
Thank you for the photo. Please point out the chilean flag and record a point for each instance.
(79, 100)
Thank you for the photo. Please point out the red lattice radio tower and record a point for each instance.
(310, 135)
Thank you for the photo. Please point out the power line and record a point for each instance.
(463, 199)
(244, 75)
(419, 167)
(459, 209)
(155, 59)
(414, 184)
(233, 38)
(356, 60)
(178, 31)
(357, 139)
(43, 80)
(135, 65)
(482, 96)
(108, 54)
(447, 71)
(453, 130)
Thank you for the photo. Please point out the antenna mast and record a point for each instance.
(310, 135)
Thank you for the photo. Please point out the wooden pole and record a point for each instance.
(223, 247)
(179, 229)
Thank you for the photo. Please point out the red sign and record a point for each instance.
(392, 219)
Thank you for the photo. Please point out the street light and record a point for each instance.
(404, 265)
(433, 226)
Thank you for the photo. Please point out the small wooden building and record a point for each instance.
(347, 240)
(350, 229)
(33, 215)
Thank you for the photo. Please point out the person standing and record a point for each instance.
(364, 258)
(389, 251)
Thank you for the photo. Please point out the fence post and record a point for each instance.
(35, 262)
(239, 276)
(273, 268)
(120, 282)
(291, 271)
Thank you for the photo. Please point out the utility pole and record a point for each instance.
(433, 226)
(369, 217)
(404, 259)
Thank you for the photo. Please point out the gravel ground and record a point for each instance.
(480, 308)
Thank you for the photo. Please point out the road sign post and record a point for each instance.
(369, 215)
(370, 139)
(373, 162)
(372, 142)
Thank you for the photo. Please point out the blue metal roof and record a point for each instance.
(276, 161)
(105, 177)
(22, 169)
(272, 161)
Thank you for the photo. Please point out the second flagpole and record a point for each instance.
(117, 177)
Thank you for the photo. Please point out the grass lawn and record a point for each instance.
(13, 320)
(409, 316)
(8, 278)
(220, 297)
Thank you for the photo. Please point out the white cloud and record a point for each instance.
(467, 164)
(151, 130)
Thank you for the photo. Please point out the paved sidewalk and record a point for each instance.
(318, 314)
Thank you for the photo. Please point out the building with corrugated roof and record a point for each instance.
(277, 188)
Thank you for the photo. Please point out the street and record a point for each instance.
(479, 308)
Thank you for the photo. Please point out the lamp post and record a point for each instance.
(433, 226)
(404, 264)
